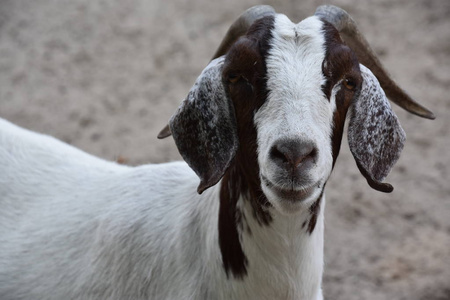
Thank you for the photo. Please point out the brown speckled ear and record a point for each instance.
(204, 127)
(374, 133)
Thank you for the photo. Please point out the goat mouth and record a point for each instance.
(292, 194)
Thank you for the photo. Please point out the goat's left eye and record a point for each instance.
(233, 77)
(349, 84)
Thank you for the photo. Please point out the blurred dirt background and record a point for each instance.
(105, 76)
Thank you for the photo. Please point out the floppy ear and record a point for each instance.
(204, 127)
(374, 132)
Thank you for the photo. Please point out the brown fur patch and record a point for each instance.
(314, 211)
(340, 63)
(244, 77)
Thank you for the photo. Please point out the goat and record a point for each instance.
(261, 128)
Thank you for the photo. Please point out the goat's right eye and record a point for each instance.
(233, 77)
(349, 84)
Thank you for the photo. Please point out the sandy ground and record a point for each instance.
(106, 75)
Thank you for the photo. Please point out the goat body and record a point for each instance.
(73, 226)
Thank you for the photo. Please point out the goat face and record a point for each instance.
(295, 124)
(273, 110)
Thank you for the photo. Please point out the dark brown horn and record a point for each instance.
(349, 32)
(241, 25)
(236, 30)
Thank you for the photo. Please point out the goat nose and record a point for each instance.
(291, 154)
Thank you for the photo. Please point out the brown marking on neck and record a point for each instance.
(314, 211)
(244, 77)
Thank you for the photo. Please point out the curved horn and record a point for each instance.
(236, 30)
(346, 26)
(241, 25)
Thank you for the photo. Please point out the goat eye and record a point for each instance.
(233, 77)
(349, 84)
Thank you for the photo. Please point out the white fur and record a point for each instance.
(286, 262)
(296, 106)
(73, 226)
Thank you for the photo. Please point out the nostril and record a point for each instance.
(313, 153)
(278, 155)
(292, 153)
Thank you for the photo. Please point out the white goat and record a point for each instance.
(261, 127)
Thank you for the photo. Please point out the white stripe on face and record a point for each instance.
(296, 108)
